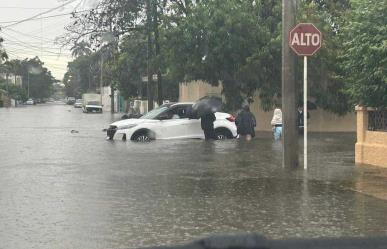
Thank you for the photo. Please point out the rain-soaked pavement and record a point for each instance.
(75, 190)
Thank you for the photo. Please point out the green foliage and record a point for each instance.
(34, 75)
(3, 54)
(15, 92)
(236, 43)
(233, 42)
(365, 53)
(82, 75)
(325, 79)
(131, 64)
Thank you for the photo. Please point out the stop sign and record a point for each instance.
(305, 39)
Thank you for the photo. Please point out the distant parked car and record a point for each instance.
(78, 103)
(70, 101)
(30, 102)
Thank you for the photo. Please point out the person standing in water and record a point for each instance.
(246, 123)
(276, 123)
(207, 123)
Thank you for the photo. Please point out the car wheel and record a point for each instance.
(143, 138)
(222, 134)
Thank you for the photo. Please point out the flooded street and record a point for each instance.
(60, 189)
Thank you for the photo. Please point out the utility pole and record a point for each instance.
(157, 53)
(101, 81)
(113, 48)
(289, 88)
(149, 52)
(6, 81)
(28, 84)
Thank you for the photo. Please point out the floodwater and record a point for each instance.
(76, 190)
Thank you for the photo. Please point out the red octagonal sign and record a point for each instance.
(305, 39)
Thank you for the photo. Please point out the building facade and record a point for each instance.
(16, 80)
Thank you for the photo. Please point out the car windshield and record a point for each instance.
(155, 112)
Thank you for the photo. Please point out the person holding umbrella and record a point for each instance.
(205, 108)
(207, 123)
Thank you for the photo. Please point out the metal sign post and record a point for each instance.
(305, 40)
(305, 112)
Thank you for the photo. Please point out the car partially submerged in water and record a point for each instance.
(170, 121)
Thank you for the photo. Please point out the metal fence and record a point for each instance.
(377, 120)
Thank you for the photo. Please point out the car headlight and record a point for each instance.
(124, 127)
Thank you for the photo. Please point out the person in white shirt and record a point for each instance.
(276, 123)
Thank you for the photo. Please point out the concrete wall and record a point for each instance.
(106, 99)
(371, 146)
(192, 91)
(320, 121)
(5, 101)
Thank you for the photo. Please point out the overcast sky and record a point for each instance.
(37, 37)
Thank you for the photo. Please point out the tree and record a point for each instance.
(37, 78)
(325, 80)
(82, 75)
(3, 54)
(233, 42)
(15, 92)
(80, 49)
(365, 53)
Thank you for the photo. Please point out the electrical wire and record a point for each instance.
(40, 14)
(22, 8)
(31, 36)
(29, 46)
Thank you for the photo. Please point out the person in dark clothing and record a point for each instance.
(246, 123)
(300, 119)
(207, 123)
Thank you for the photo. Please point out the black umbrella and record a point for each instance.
(208, 104)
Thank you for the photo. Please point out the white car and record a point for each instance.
(30, 102)
(170, 121)
(78, 103)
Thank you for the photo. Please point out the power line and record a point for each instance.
(30, 35)
(41, 18)
(22, 8)
(29, 46)
(40, 14)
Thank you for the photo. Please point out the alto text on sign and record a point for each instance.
(305, 39)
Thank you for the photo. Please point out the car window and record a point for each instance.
(155, 113)
(179, 112)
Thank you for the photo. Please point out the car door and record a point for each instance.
(173, 124)
(194, 129)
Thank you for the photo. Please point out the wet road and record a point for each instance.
(75, 190)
